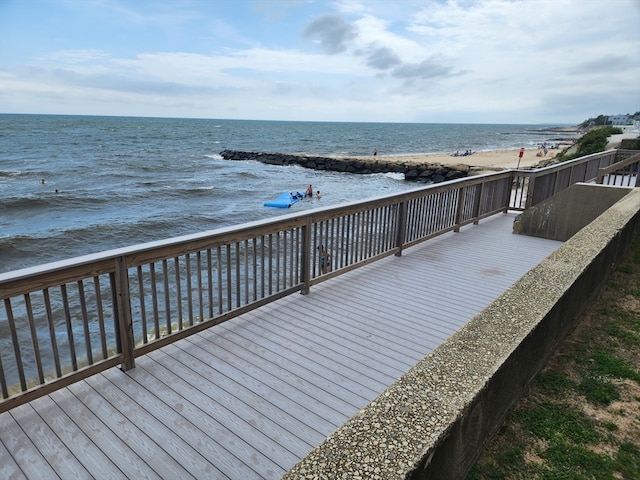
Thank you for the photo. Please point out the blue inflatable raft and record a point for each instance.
(285, 200)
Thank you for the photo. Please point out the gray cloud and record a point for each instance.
(426, 69)
(332, 31)
(113, 82)
(604, 64)
(383, 58)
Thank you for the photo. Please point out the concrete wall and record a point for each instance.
(434, 422)
(560, 217)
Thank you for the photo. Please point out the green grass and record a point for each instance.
(551, 434)
(598, 390)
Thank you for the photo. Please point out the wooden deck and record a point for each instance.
(249, 398)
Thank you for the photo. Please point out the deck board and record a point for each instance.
(249, 398)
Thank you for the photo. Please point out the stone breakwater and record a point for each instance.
(413, 172)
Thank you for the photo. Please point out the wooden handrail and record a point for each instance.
(73, 318)
(631, 165)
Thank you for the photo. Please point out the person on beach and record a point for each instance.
(325, 260)
(318, 196)
(375, 152)
(309, 192)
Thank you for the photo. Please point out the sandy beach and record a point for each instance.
(493, 159)
(496, 159)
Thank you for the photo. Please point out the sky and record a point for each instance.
(425, 61)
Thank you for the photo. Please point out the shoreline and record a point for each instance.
(493, 159)
(486, 159)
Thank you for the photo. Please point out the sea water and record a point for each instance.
(73, 185)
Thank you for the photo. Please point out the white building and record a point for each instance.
(620, 120)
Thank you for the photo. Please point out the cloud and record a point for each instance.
(332, 31)
(604, 65)
(382, 58)
(427, 69)
(372, 60)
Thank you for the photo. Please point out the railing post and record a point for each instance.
(531, 191)
(402, 225)
(307, 256)
(461, 193)
(124, 322)
(508, 192)
(477, 200)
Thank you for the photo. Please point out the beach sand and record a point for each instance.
(485, 160)
(495, 159)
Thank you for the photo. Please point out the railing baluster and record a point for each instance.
(143, 312)
(210, 282)
(246, 271)
(52, 331)
(187, 274)
(219, 268)
(154, 299)
(34, 337)
(167, 299)
(67, 317)
(100, 312)
(200, 291)
(16, 344)
(400, 232)
(238, 282)
(85, 322)
(254, 254)
(178, 287)
(228, 278)
(3, 382)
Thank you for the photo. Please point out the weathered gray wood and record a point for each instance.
(67, 432)
(157, 422)
(19, 457)
(248, 398)
(34, 429)
(125, 428)
(128, 462)
(222, 446)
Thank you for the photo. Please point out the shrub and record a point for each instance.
(592, 142)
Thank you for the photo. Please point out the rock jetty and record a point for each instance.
(413, 172)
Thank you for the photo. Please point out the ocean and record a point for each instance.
(74, 185)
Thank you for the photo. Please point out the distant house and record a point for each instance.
(620, 120)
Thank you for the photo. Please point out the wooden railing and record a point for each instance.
(533, 186)
(624, 173)
(68, 320)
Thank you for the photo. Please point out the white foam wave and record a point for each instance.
(395, 175)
